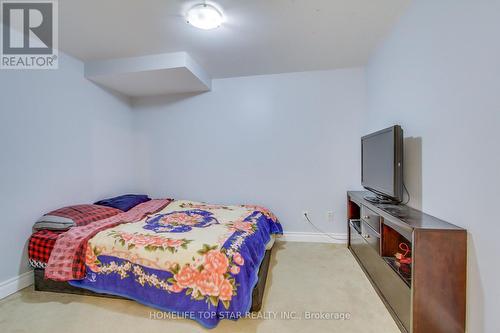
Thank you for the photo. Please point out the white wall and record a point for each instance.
(63, 140)
(289, 142)
(438, 75)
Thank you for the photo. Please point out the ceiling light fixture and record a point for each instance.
(204, 16)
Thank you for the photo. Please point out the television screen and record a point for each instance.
(382, 163)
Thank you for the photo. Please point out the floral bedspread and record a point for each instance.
(198, 260)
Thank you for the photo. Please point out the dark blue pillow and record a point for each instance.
(124, 202)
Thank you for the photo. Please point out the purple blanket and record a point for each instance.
(218, 281)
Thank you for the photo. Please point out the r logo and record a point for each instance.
(27, 28)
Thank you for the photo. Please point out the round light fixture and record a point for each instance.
(204, 16)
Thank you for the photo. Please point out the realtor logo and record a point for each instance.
(29, 34)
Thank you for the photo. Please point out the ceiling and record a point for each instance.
(258, 37)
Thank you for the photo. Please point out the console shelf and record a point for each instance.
(427, 295)
(403, 274)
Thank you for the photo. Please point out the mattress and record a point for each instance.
(270, 244)
(42, 243)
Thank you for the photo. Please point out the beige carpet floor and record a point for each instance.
(304, 279)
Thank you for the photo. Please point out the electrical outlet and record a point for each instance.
(329, 216)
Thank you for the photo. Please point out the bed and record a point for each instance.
(204, 262)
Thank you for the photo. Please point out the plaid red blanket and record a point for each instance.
(67, 260)
(40, 246)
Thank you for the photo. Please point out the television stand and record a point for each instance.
(428, 294)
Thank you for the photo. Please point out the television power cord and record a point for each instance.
(323, 232)
(407, 193)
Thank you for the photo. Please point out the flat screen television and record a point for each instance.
(382, 165)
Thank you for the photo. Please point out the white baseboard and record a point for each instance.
(16, 283)
(313, 237)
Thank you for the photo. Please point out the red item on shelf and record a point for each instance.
(401, 257)
(405, 260)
